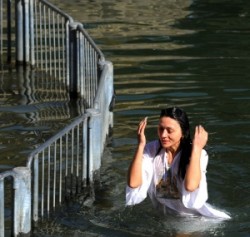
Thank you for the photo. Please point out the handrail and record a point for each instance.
(91, 41)
(57, 10)
(54, 138)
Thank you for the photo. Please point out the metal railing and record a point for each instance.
(53, 42)
(42, 36)
(62, 166)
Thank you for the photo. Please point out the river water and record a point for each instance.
(192, 54)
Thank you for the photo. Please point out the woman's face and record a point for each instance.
(170, 133)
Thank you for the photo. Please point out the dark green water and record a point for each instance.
(192, 54)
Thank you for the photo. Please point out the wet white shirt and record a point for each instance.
(167, 190)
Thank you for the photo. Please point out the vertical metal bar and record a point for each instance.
(41, 36)
(85, 150)
(49, 41)
(9, 17)
(32, 28)
(86, 72)
(92, 92)
(19, 32)
(26, 31)
(73, 60)
(2, 208)
(66, 154)
(42, 188)
(36, 33)
(90, 151)
(88, 75)
(77, 150)
(90, 72)
(1, 31)
(54, 178)
(91, 66)
(67, 53)
(36, 188)
(64, 59)
(72, 151)
(81, 65)
(78, 82)
(54, 44)
(45, 38)
(96, 69)
(84, 67)
(58, 48)
(60, 174)
(66, 159)
(48, 182)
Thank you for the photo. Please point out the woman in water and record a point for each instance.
(172, 169)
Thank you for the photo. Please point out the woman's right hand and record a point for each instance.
(141, 132)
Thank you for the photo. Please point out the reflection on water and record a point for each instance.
(33, 107)
(192, 54)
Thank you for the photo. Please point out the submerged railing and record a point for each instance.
(50, 40)
(38, 35)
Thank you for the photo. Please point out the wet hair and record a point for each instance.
(186, 143)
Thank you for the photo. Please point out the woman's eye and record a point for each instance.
(170, 130)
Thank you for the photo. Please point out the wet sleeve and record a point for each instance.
(137, 195)
(197, 198)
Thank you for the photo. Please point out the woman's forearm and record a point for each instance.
(135, 169)
(193, 172)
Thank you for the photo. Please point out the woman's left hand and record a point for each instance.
(193, 172)
(200, 137)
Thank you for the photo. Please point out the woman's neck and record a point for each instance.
(171, 153)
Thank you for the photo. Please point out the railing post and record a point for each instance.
(22, 201)
(23, 31)
(105, 99)
(94, 141)
(32, 33)
(1, 29)
(26, 31)
(19, 32)
(9, 16)
(36, 188)
(2, 208)
(73, 67)
(109, 91)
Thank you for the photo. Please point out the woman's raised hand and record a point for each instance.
(141, 132)
(200, 137)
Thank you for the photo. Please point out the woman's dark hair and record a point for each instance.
(186, 143)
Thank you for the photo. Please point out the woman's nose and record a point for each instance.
(164, 133)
